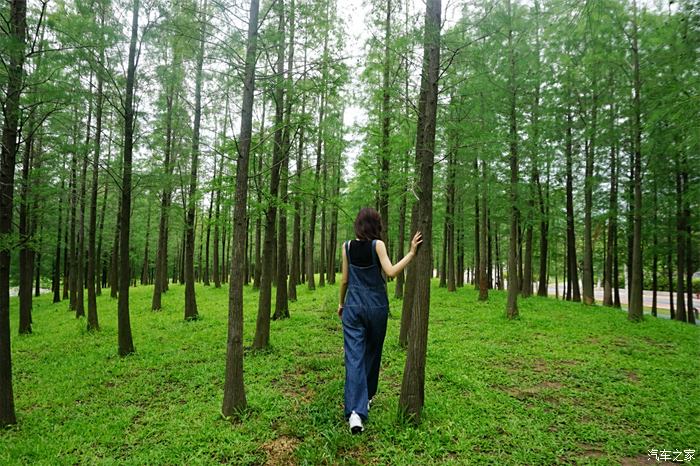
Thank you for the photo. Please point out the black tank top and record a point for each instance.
(361, 252)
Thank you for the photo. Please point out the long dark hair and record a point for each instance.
(368, 224)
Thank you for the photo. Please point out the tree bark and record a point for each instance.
(588, 297)
(262, 326)
(93, 321)
(513, 259)
(412, 397)
(126, 345)
(573, 290)
(483, 235)
(281, 298)
(234, 392)
(8, 154)
(635, 311)
(191, 312)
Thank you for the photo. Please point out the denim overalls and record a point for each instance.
(365, 313)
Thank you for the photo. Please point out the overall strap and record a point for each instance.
(375, 259)
(346, 245)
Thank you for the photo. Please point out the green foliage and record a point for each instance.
(565, 383)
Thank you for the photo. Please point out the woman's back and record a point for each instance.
(361, 252)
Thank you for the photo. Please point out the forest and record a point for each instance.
(203, 161)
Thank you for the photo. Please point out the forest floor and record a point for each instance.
(563, 384)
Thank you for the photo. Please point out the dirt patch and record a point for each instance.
(292, 384)
(592, 451)
(659, 344)
(521, 393)
(280, 451)
(549, 384)
(632, 376)
(539, 365)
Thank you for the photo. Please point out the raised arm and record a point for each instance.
(393, 270)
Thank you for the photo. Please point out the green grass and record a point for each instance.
(563, 384)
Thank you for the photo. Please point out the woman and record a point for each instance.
(364, 308)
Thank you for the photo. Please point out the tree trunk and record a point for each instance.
(611, 252)
(483, 235)
(385, 151)
(26, 253)
(234, 393)
(412, 395)
(281, 298)
(161, 275)
(588, 296)
(573, 291)
(145, 268)
(635, 311)
(262, 326)
(680, 247)
(10, 130)
(93, 321)
(513, 259)
(126, 345)
(56, 281)
(191, 312)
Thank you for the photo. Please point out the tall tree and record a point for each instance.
(234, 391)
(190, 298)
(93, 321)
(10, 130)
(513, 257)
(126, 344)
(634, 308)
(412, 397)
(262, 326)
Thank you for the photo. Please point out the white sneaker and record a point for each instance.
(369, 404)
(355, 423)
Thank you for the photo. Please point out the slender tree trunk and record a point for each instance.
(80, 270)
(234, 393)
(262, 326)
(216, 272)
(145, 268)
(611, 252)
(573, 290)
(126, 345)
(161, 276)
(483, 235)
(689, 266)
(26, 257)
(312, 217)
(669, 263)
(635, 310)
(8, 153)
(513, 259)
(385, 151)
(101, 269)
(588, 296)
(680, 247)
(72, 258)
(114, 263)
(281, 297)
(655, 254)
(93, 321)
(412, 397)
(56, 282)
(191, 312)
(295, 275)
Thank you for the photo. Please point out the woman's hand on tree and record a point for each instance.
(416, 241)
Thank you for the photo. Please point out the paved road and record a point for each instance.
(663, 300)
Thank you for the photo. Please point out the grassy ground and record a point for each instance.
(563, 384)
